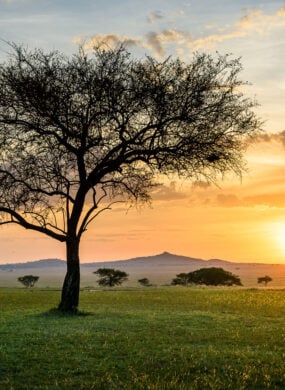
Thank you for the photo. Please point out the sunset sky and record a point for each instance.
(240, 219)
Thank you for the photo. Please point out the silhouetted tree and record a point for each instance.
(182, 279)
(264, 279)
(214, 277)
(111, 277)
(209, 276)
(79, 133)
(28, 280)
(144, 282)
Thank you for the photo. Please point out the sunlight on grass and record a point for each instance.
(172, 338)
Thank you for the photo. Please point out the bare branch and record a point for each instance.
(18, 219)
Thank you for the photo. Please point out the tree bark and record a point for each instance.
(70, 290)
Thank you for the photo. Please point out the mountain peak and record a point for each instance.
(165, 253)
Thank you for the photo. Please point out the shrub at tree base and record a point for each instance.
(28, 280)
(111, 277)
(209, 276)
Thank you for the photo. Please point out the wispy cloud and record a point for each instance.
(152, 17)
(157, 41)
(106, 40)
(255, 22)
(170, 192)
(270, 137)
(201, 184)
(271, 199)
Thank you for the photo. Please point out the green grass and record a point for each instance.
(168, 338)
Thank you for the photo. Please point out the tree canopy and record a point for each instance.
(212, 276)
(264, 279)
(110, 277)
(182, 279)
(144, 282)
(78, 133)
(28, 280)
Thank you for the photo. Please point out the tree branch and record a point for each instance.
(18, 219)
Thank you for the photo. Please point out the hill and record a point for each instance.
(33, 264)
(160, 269)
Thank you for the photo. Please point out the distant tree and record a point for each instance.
(110, 277)
(208, 276)
(28, 280)
(214, 277)
(75, 131)
(264, 279)
(145, 282)
(182, 279)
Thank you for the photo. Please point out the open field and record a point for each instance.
(167, 338)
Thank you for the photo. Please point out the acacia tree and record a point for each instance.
(209, 276)
(264, 279)
(28, 280)
(76, 131)
(214, 276)
(144, 282)
(182, 279)
(111, 277)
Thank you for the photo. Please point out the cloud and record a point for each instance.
(270, 200)
(105, 40)
(157, 41)
(270, 137)
(274, 199)
(154, 16)
(163, 192)
(255, 22)
(201, 184)
(227, 200)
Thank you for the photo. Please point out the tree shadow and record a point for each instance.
(57, 313)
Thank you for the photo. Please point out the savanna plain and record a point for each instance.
(144, 338)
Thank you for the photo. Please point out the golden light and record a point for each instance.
(279, 236)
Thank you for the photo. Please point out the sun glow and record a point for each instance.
(279, 232)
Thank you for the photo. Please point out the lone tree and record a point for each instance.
(28, 280)
(144, 282)
(111, 277)
(79, 133)
(209, 276)
(215, 277)
(264, 279)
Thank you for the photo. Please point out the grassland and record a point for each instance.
(165, 338)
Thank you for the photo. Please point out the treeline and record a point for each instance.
(213, 276)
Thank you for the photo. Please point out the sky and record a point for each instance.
(239, 219)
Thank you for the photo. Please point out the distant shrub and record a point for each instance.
(110, 277)
(144, 282)
(28, 280)
(264, 279)
(209, 276)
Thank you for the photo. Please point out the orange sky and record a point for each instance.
(242, 220)
(239, 220)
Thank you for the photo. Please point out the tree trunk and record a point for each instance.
(70, 290)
